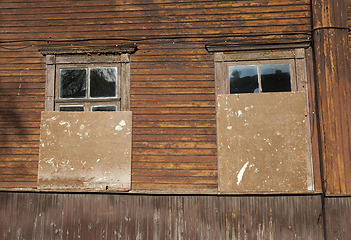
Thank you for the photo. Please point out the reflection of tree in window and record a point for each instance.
(103, 82)
(275, 78)
(72, 83)
(243, 79)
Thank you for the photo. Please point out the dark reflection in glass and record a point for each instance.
(103, 108)
(275, 78)
(243, 79)
(73, 83)
(103, 82)
(71, 108)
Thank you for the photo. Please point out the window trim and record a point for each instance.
(222, 59)
(118, 56)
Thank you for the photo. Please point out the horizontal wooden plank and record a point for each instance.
(165, 91)
(175, 186)
(15, 165)
(23, 105)
(173, 84)
(182, 27)
(175, 131)
(19, 138)
(21, 99)
(23, 92)
(19, 124)
(173, 104)
(19, 184)
(13, 130)
(18, 171)
(175, 180)
(175, 145)
(146, 5)
(136, 34)
(18, 144)
(172, 152)
(24, 151)
(174, 173)
(174, 159)
(176, 124)
(19, 158)
(22, 84)
(174, 97)
(179, 117)
(175, 166)
(157, 19)
(168, 77)
(18, 178)
(170, 138)
(191, 111)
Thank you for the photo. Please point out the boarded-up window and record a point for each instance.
(86, 143)
(263, 144)
(89, 150)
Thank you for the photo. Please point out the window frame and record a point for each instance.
(91, 57)
(224, 59)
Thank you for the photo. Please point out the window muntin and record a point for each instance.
(87, 85)
(260, 76)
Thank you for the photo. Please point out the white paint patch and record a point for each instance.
(241, 173)
(122, 123)
(229, 127)
(247, 109)
(63, 122)
(240, 113)
(118, 128)
(98, 160)
(81, 127)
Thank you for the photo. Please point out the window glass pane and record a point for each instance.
(103, 108)
(73, 83)
(275, 78)
(71, 108)
(103, 82)
(243, 79)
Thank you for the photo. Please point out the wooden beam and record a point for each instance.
(333, 93)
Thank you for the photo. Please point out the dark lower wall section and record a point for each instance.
(111, 216)
(337, 215)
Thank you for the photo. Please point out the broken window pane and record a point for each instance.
(275, 78)
(103, 108)
(71, 108)
(243, 79)
(73, 83)
(103, 82)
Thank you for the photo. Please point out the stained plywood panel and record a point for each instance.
(262, 142)
(85, 150)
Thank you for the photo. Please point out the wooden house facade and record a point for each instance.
(174, 158)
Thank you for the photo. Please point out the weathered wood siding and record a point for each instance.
(333, 91)
(172, 76)
(95, 216)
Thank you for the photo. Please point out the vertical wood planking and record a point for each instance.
(111, 216)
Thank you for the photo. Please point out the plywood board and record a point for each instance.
(262, 142)
(85, 150)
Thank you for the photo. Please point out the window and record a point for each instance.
(85, 132)
(89, 79)
(262, 121)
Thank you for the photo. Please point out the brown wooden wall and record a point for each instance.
(172, 76)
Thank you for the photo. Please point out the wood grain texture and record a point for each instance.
(113, 216)
(172, 93)
(332, 61)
